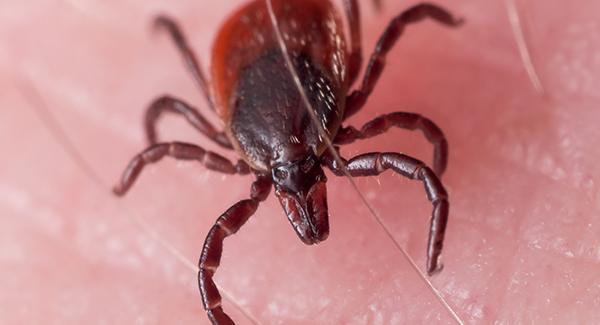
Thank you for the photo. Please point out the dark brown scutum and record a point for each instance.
(270, 124)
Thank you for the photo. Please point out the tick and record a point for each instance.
(266, 123)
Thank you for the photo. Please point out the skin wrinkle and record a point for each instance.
(522, 239)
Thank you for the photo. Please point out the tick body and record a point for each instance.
(266, 123)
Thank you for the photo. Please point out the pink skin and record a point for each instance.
(522, 242)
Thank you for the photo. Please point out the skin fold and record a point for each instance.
(522, 244)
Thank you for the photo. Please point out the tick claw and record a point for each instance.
(159, 22)
(458, 22)
(435, 270)
(118, 191)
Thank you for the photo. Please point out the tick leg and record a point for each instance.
(357, 99)
(355, 60)
(354, 22)
(187, 53)
(177, 150)
(377, 4)
(409, 121)
(227, 224)
(191, 114)
(372, 164)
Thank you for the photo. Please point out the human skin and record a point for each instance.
(522, 241)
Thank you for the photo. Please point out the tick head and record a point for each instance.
(300, 186)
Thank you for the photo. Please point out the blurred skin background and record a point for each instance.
(522, 244)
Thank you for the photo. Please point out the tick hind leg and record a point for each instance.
(354, 22)
(177, 150)
(227, 224)
(357, 99)
(372, 164)
(187, 53)
(409, 121)
(355, 60)
(172, 105)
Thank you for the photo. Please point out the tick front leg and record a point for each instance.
(409, 121)
(377, 5)
(172, 105)
(187, 53)
(358, 98)
(372, 164)
(177, 150)
(227, 224)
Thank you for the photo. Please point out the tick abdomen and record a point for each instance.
(250, 78)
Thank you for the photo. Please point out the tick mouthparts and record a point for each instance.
(308, 215)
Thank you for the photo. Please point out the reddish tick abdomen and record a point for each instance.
(254, 91)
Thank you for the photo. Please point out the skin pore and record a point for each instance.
(521, 245)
